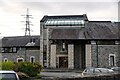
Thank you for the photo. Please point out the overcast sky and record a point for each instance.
(11, 11)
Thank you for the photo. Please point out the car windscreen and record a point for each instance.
(8, 76)
(89, 70)
(104, 70)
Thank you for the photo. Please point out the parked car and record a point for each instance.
(97, 71)
(8, 75)
(116, 69)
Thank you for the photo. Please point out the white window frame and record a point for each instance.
(5, 59)
(14, 49)
(63, 45)
(20, 58)
(117, 42)
(33, 58)
(114, 59)
(93, 42)
(2, 49)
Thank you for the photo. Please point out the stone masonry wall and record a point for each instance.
(71, 56)
(53, 56)
(100, 54)
(22, 54)
(94, 55)
(88, 55)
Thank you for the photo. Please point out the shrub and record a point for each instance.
(32, 69)
(7, 65)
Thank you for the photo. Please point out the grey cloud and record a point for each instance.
(70, 7)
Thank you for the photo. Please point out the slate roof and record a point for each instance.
(92, 30)
(20, 41)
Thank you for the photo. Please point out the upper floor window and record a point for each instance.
(14, 49)
(65, 22)
(9, 50)
(105, 42)
(2, 49)
(32, 40)
(117, 42)
(63, 47)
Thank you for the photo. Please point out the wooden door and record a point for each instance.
(63, 62)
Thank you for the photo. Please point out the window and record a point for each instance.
(93, 42)
(32, 40)
(20, 48)
(112, 60)
(90, 71)
(20, 60)
(10, 49)
(14, 49)
(63, 47)
(65, 22)
(106, 42)
(8, 76)
(5, 60)
(97, 71)
(3, 50)
(32, 59)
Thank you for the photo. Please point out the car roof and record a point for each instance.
(90, 68)
(115, 67)
(5, 71)
(102, 68)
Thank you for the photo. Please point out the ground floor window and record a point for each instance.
(112, 60)
(20, 60)
(5, 60)
(32, 59)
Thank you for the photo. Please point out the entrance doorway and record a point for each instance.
(63, 62)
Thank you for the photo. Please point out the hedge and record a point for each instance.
(31, 69)
(7, 65)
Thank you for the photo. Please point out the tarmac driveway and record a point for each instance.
(60, 74)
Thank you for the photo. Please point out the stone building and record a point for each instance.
(21, 48)
(74, 42)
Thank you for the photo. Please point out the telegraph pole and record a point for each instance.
(27, 23)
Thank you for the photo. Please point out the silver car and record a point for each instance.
(116, 69)
(8, 75)
(97, 71)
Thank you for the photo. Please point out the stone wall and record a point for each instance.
(94, 56)
(22, 54)
(100, 55)
(88, 55)
(53, 56)
(35, 53)
(71, 56)
(41, 43)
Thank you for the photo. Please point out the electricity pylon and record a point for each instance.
(27, 23)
